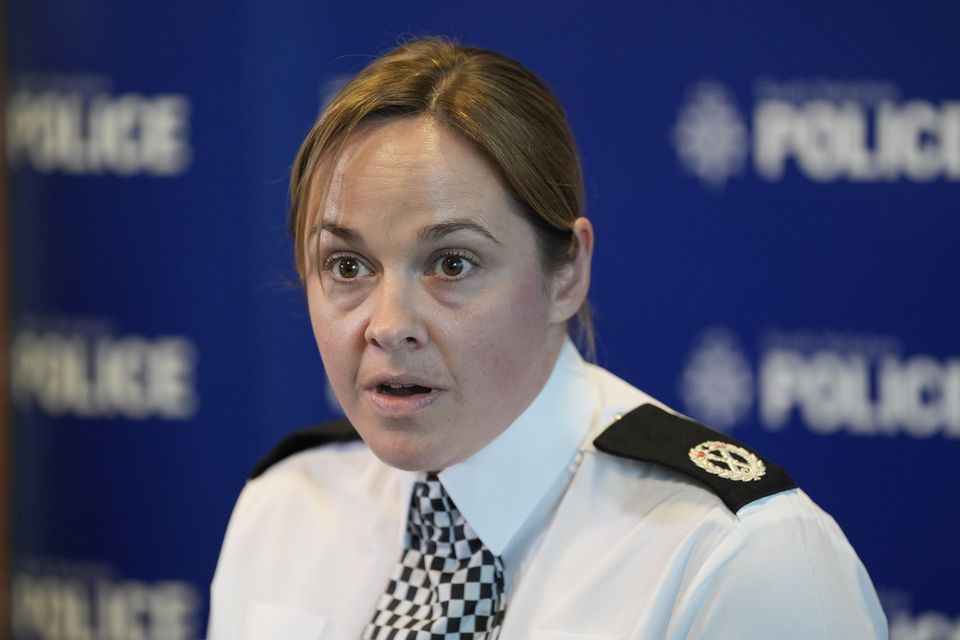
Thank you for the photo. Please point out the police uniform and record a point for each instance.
(614, 518)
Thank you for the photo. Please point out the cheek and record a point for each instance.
(510, 334)
(524, 306)
(333, 332)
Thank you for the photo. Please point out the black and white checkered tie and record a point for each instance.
(447, 585)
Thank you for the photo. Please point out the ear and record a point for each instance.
(572, 282)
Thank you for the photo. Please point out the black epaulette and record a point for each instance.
(326, 433)
(736, 474)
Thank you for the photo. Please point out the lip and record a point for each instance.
(400, 406)
(371, 384)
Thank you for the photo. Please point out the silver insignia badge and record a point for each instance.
(727, 461)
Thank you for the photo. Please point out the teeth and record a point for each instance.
(402, 389)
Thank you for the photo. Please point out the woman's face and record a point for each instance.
(436, 324)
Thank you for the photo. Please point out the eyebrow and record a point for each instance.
(428, 233)
(346, 233)
(434, 232)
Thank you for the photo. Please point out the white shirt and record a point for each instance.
(594, 546)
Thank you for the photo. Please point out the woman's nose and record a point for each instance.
(396, 316)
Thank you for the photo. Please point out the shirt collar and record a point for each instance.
(497, 488)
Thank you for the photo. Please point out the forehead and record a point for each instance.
(407, 165)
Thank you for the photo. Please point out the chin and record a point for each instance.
(409, 453)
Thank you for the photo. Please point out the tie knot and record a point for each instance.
(435, 526)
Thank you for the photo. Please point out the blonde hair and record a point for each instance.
(490, 100)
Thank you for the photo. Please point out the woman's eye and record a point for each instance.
(346, 267)
(453, 266)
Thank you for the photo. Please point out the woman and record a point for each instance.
(503, 487)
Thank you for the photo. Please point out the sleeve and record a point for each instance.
(786, 572)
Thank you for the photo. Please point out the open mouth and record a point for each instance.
(402, 390)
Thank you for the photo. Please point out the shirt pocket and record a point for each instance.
(270, 622)
(564, 635)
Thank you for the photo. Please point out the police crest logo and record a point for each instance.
(727, 461)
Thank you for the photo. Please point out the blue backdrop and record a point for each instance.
(775, 196)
